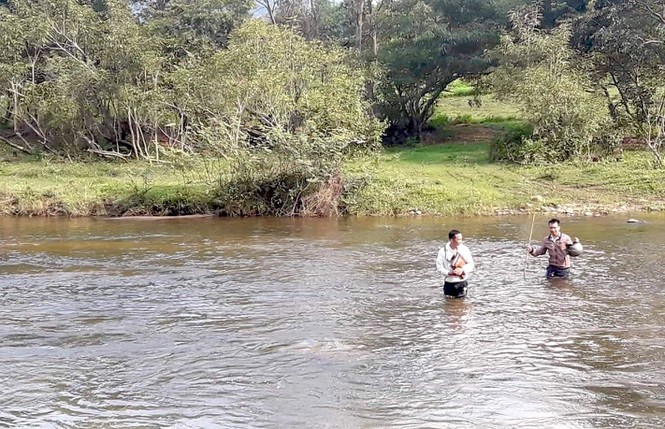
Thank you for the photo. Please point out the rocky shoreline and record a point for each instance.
(586, 210)
(577, 210)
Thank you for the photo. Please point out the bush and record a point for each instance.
(538, 72)
(269, 195)
(607, 145)
(440, 120)
(285, 113)
(516, 145)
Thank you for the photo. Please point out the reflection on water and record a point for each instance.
(219, 323)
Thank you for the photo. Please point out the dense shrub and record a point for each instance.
(539, 74)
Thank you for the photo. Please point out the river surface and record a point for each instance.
(318, 323)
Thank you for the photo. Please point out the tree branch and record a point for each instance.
(658, 16)
(73, 44)
(15, 146)
(108, 154)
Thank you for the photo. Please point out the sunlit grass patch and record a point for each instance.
(451, 179)
(459, 88)
(449, 154)
(454, 178)
(81, 189)
(458, 179)
(465, 109)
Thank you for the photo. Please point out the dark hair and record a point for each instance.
(557, 221)
(453, 233)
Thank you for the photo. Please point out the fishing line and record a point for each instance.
(526, 258)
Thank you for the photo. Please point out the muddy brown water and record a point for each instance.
(318, 323)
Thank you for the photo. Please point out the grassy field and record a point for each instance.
(458, 179)
(491, 110)
(448, 174)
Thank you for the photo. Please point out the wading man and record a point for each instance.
(455, 262)
(556, 245)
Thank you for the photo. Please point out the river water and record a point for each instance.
(319, 323)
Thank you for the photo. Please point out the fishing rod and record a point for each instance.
(526, 258)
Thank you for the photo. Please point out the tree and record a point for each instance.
(77, 78)
(626, 42)
(425, 45)
(554, 11)
(194, 29)
(283, 111)
(539, 71)
(313, 19)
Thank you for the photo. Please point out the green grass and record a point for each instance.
(447, 179)
(42, 187)
(458, 179)
(459, 88)
(451, 175)
(441, 155)
(456, 110)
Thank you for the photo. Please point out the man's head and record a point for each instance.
(455, 237)
(555, 226)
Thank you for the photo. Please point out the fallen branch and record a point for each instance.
(108, 153)
(16, 145)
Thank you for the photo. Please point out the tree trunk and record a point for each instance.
(359, 6)
(374, 34)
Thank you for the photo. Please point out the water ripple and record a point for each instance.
(326, 324)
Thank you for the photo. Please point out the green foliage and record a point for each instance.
(87, 76)
(195, 29)
(554, 12)
(428, 45)
(539, 73)
(78, 78)
(439, 120)
(282, 110)
(626, 43)
(516, 146)
(324, 20)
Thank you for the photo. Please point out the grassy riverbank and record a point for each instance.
(458, 179)
(448, 174)
(443, 179)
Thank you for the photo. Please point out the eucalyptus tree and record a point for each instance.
(313, 19)
(554, 11)
(283, 111)
(192, 29)
(78, 78)
(626, 42)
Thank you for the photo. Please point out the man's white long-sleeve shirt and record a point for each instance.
(444, 258)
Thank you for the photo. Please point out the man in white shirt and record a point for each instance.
(455, 262)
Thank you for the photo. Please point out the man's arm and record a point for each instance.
(537, 250)
(442, 265)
